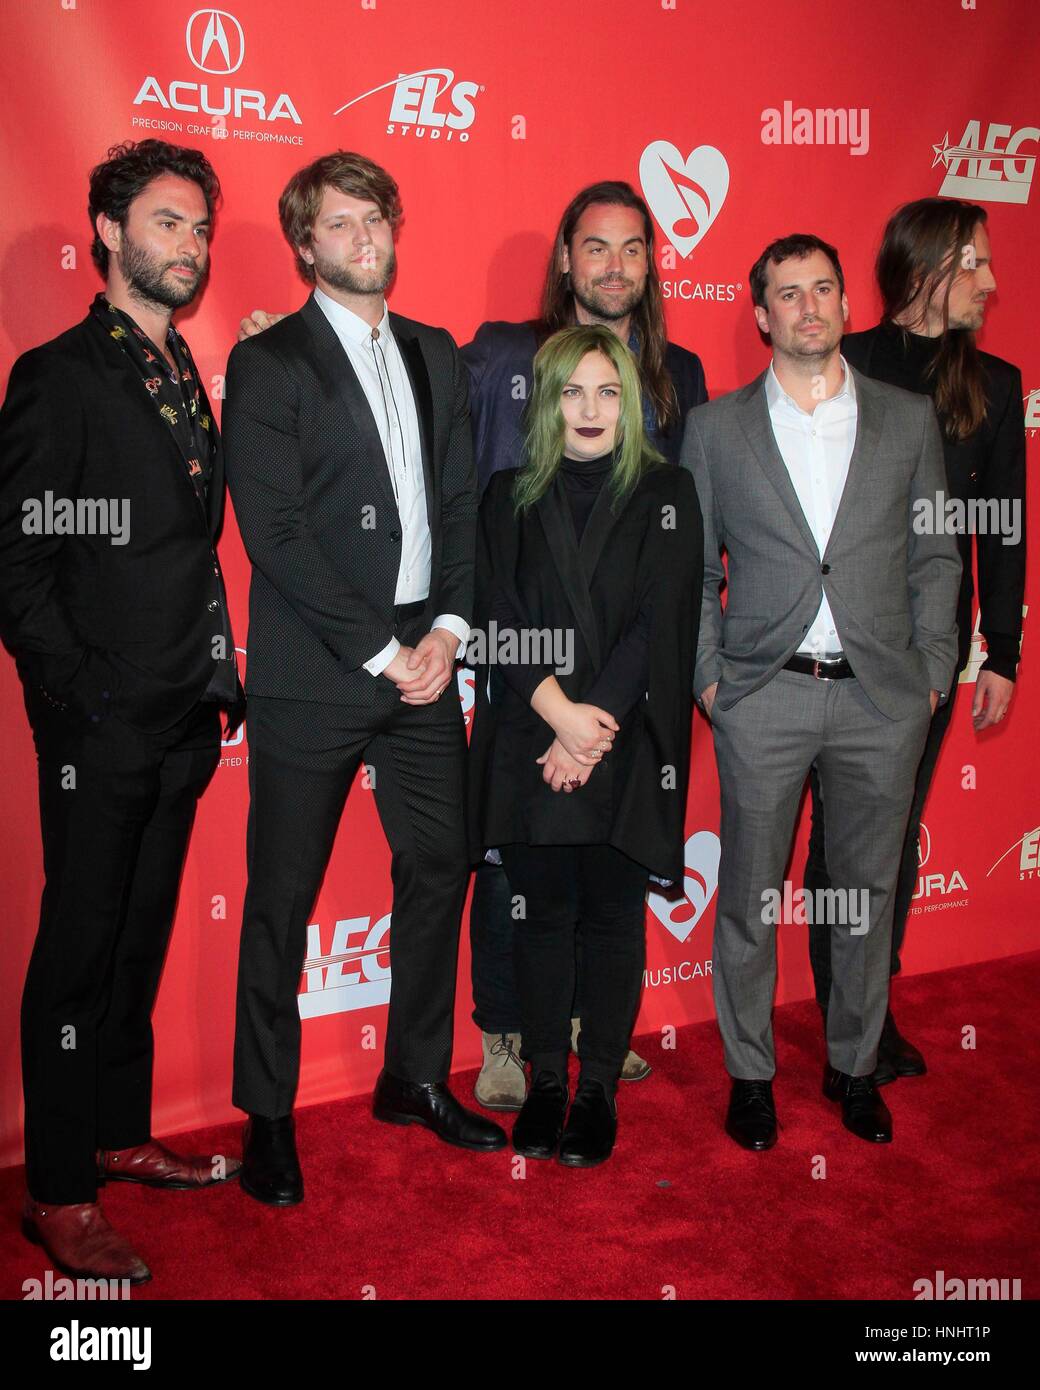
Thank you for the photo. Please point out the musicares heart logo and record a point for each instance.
(681, 915)
(685, 195)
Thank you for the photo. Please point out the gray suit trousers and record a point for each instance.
(765, 744)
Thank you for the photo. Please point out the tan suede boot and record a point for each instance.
(636, 1068)
(502, 1083)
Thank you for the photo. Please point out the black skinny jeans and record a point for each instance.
(560, 886)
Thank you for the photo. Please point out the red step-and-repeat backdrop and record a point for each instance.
(790, 116)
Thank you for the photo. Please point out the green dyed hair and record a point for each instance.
(554, 365)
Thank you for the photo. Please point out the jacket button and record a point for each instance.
(105, 695)
(395, 535)
(213, 605)
(95, 718)
(825, 569)
(973, 476)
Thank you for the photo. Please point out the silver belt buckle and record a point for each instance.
(817, 663)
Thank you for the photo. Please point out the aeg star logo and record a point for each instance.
(685, 195)
(993, 171)
(205, 31)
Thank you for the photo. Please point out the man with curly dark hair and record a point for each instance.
(113, 604)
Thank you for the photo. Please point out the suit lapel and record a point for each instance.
(870, 414)
(335, 369)
(554, 513)
(419, 375)
(758, 429)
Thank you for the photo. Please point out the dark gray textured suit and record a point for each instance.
(893, 596)
(309, 481)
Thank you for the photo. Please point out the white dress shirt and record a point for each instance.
(379, 367)
(816, 449)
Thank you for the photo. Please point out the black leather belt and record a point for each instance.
(835, 670)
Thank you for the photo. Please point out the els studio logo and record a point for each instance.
(205, 31)
(991, 170)
(416, 104)
(1028, 846)
(684, 195)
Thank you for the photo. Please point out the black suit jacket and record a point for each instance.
(650, 551)
(96, 627)
(501, 356)
(989, 464)
(313, 498)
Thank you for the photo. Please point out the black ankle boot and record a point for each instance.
(591, 1128)
(539, 1125)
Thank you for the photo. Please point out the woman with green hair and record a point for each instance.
(589, 572)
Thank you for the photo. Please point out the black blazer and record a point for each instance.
(96, 627)
(313, 498)
(635, 799)
(991, 463)
(501, 355)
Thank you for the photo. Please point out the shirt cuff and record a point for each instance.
(378, 663)
(457, 626)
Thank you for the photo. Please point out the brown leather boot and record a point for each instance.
(157, 1166)
(80, 1241)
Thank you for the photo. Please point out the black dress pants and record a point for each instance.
(816, 876)
(302, 760)
(116, 811)
(559, 887)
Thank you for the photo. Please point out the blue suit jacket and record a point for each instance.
(500, 360)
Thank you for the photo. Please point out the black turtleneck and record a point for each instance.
(583, 479)
(623, 680)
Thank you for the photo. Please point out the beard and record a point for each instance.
(820, 346)
(146, 277)
(357, 279)
(603, 306)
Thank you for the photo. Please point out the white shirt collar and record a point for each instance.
(347, 324)
(775, 393)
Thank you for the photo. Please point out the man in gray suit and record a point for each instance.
(837, 642)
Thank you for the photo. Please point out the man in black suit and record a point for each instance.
(112, 602)
(935, 278)
(350, 466)
(601, 270)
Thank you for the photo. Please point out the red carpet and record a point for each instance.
(679, 1206)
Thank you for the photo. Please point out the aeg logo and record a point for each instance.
(216, 44)
(353, 974)
(416, 104)
(994, 170)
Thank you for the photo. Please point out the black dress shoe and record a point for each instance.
(270, 1167)
(751, 1117)
(863, 1112)
(896, 1057)
(430, 1103)
(539, 1125)
(591, 1127)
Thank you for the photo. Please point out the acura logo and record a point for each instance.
(924, 846)
(215, 42)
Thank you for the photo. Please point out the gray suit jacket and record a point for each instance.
(893, 592)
